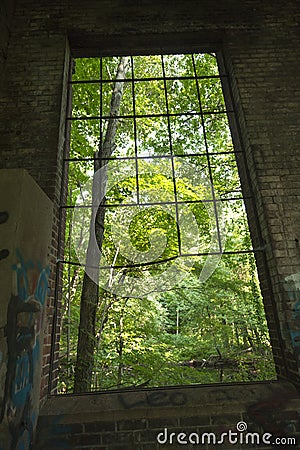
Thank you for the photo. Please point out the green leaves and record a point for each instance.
(173, 185)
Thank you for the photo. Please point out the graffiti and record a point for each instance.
(272, 416)
(24, 323)
(4, 253)
(292, 288)
(171, 399)
(295, 333)
(155, 399)
(54, 434)
(3, 218)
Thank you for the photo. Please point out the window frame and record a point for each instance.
(244, 173)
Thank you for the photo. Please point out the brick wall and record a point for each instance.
(133, 420)
(269, 92)
(260, 41)
(6, 13)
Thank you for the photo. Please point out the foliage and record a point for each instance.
(154, 340)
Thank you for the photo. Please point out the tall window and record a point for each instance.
(159, 275)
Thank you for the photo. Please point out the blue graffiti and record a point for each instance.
(296, 310)
(295, 335)
(21, 269)
(42, 285)
(3, 219)
(290, 287)
(24, 441)
(23, 380)
(22, 329)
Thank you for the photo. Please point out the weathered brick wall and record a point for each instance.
(260, 41)
(266, 79)
(6, 14)
(133, 420)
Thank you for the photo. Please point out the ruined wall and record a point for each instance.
(6, 14)
(146, 419)
(260, 42)
(25, 231)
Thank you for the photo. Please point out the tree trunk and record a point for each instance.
(120, 345)
(90, 288)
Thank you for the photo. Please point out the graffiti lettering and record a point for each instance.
(3, 218)
(270, 413)
(55, 434)
(292, 288)
(4, 253)
(155, 399)
(22, 330)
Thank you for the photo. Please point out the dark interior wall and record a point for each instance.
(260, 42)
(6, 13)
(264, 67)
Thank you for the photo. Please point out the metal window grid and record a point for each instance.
(226, 113)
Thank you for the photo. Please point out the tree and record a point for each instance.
(90, 294)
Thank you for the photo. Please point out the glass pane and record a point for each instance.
(84, 138)
(110, 67)
(192, 178)
(197, 227)
(80, 178)
(225, 176)
(155, 180)
(124, 141)
(178, 65)
(152, 136)
(150, 97)
(206, 64)
(218, 136)
(140, 234)
(86, 99)
(106, 94)
(187, 135)
(236, 225)
(211, 95)
(147, 66)
(86, 69)
(72, 278)
(126, 107)
(182, 96)
(126, 104)
(122, 144)
(121, 185)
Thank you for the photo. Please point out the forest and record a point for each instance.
(160, 285)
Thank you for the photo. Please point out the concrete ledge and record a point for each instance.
(172, 401)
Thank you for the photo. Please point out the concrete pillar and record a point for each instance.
(25, 237)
